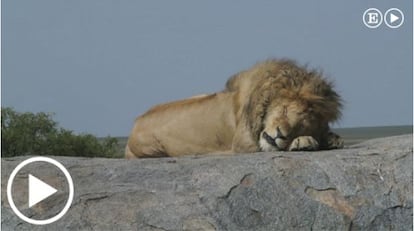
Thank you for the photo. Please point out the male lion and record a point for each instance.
(274, 106)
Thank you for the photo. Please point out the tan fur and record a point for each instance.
(275, 105)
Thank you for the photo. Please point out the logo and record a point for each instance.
(372, 18)
(30, 183)
(394, 18)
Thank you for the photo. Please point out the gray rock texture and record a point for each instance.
(367, 186)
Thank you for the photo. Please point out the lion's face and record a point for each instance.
(286, 121)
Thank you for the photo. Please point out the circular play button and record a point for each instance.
(394, 18)
(38, 190)
(40, 194)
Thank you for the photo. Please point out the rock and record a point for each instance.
(367, 186)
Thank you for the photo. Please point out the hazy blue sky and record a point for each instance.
(100, 63)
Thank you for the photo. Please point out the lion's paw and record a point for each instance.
(304, 143)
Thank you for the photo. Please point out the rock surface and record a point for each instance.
(367, 186)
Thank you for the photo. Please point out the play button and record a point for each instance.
(394, 18)
(38, 190)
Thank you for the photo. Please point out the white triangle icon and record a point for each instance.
(393, 18)
(38, 190)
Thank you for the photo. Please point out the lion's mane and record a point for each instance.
(274, 80)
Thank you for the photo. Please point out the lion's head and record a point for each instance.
(288, 101)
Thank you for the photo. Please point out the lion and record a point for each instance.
(276, 105)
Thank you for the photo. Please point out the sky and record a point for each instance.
(98, 64)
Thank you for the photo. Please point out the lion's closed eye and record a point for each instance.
(306, 113)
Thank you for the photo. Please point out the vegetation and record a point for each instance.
(38, 134)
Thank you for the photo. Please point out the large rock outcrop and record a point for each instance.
(367, 186)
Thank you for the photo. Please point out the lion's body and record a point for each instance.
(167, 130)
(273, 97)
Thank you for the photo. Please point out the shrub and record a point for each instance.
(38, 134)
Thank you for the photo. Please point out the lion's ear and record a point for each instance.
(234, 82)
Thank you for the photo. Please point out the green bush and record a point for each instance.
(38, 134)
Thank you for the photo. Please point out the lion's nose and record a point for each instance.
(269, 139)
(279, 134)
